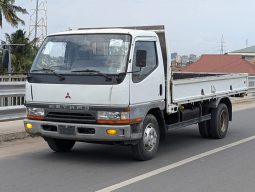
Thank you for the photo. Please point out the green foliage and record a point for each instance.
(22, 56)
(9, 11)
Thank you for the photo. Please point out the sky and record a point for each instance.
(192, 26)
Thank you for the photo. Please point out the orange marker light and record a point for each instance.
(29, 126)
(111, 131)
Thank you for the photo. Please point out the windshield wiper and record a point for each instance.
(94, 71)
(61, 77)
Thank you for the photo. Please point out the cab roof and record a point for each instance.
(108, 31)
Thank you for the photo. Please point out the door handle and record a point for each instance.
(160, 89)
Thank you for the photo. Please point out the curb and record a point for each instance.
(23, 134)
(13, 136)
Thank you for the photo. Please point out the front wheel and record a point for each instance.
(148, 146)
(60, 145)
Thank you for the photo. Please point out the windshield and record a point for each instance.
(68, 54)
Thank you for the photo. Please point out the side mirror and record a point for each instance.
(5, 59)
(141, 58)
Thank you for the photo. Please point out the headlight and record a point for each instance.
(107, 115)
(35, 113)
(116, 118)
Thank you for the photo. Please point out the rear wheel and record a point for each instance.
(60, 145)
(204, 129)
(219, 122)
(148, 146)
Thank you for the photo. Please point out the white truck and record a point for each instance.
(115, 86)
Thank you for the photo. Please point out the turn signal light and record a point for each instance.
(119, 122)
(111, 131)
(34, 117)
(29, 126)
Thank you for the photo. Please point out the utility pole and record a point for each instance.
(10, 60)
(38, 22)
(7, 50)
(247, 43)
(36, 17)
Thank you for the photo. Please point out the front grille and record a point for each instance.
(71, 117)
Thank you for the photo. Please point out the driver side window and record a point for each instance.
(140, 74)
(53, 55)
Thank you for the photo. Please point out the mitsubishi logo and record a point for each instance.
(68, 96)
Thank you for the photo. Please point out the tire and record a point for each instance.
(204, 129)
(60, 145)
(148, 145)
(219, 122)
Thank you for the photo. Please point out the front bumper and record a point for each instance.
(79, 131)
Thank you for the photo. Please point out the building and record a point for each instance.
(247, 53)
(221, 64)
(185, 59)
(252, 61)
(174, 56)
(192, 58)
(178, 61)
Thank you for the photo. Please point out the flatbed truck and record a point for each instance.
(116, 86)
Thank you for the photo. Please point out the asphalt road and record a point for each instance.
(28, 165)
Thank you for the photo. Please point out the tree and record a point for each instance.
(9, 11)
(21, 56)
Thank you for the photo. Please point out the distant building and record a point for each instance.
(192, 58)
(221, 64)
(185, 59)
(174, 56)
(178, 61)
(247, 53)
(176, 64)
(252, 61)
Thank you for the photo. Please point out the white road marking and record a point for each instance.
(174, 165)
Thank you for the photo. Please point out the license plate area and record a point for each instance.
(66, 129)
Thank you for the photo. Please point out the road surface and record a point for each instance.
(187, 161)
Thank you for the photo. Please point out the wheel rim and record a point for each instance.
(223, 121)
(150, 137)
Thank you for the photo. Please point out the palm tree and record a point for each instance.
(21, 56)
(9, 11)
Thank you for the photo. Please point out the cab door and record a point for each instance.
(147, 83)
